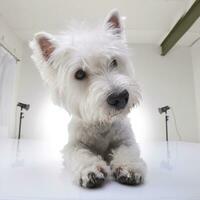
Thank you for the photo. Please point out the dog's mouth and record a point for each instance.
(115, 113)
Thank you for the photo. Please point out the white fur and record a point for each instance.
(96, 130)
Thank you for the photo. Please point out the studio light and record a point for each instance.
(23, 106)
(163, 109)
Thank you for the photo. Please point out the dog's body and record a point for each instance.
(90, 74)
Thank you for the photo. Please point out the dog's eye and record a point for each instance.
(80, 74)
(114, 63)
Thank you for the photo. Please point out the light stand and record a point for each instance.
(164, 110)
(166, 125)
(20, 123)
(22, 106)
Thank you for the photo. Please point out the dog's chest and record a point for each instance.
(98, 138)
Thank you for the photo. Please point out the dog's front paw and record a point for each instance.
(93, 177)
(128, 175)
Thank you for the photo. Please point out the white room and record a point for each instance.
(163, 38)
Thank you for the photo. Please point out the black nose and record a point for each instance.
(118, 100)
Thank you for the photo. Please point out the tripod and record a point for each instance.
(20, 123)
(164, 110)
(166, 124)
(22, 106)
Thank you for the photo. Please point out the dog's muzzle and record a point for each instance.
(118, 100)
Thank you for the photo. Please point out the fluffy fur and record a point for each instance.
(100, 136)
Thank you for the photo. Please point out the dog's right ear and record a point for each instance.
(43, 45)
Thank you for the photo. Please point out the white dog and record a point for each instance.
(90, 74)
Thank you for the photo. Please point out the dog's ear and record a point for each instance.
(43, 43)
(43, 46)
(113, 21)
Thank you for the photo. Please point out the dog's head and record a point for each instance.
(89, 70)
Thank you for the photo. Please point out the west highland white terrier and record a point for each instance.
(90, 74)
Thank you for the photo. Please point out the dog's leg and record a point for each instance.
(88, 170)
(127, 167)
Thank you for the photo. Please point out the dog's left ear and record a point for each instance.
(113, 21)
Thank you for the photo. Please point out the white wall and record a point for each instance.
(164, 81)
(44, 120)
(195, 52)
(9, 39)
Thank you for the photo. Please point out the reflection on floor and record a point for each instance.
(33, 170)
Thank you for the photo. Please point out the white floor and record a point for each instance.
(32, 170)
